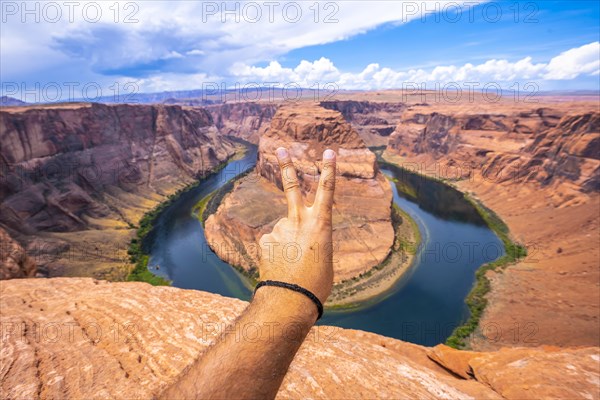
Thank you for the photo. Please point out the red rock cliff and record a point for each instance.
(538, 168)
(87, 167)
(247, 121)
(14, 262)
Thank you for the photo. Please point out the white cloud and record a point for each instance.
(172, 54)
(169, 45)
(574, 62)
(173, 82)
(141, 33)
(304, 74)
(568, 65)
(195, 52)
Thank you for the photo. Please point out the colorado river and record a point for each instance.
(423, 307)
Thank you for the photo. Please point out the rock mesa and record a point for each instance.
(363, 232)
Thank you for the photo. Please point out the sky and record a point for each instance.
(60, 50)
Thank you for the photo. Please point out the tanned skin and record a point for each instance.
(252, 356)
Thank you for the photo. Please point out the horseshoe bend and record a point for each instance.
(362, 223)
(533, 168)
(340, 199)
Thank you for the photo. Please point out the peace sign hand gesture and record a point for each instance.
(299, 250)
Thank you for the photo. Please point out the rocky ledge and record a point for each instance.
(362, 228)
(81, 338)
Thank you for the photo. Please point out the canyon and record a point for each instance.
(248, 121)
(362, 225)
(77, 178)
(535, 165)
(373, 121)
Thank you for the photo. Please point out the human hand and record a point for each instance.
(299, 250)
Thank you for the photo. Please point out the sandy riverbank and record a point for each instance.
(378, 281)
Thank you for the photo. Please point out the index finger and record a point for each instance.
(324, 196)
(291, 186)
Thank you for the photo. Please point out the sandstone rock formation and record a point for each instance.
(374, 121)
(14, 261)
(538, 167)
(78, 177)
(521, 373)
(88, 339)
(362, 203)
(543, 145)
(245, 120)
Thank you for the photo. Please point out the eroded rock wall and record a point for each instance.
(374, 121)
(77, 169)
(14, 261)
(245, 120)
(537, 167)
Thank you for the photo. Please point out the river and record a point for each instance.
(423, 307)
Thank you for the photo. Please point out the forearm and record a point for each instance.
(252, 356)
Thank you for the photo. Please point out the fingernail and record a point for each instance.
(329, 154)
(282, 152)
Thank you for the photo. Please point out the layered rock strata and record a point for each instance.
(246, 121)
(76, 178)
(374, 121)
(363, 232)
(538, 167)
(14, 261)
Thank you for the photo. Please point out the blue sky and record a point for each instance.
(373, 45)
(561, 25)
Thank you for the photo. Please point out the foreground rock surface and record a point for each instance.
(538, 167)
(76, 178)
(362, 204)
(82, 338)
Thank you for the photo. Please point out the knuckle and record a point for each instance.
(288, 185)
(289, 174)
(286, 164)
(328, 181)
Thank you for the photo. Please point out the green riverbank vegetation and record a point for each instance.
(476, 299)
(138, 253)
